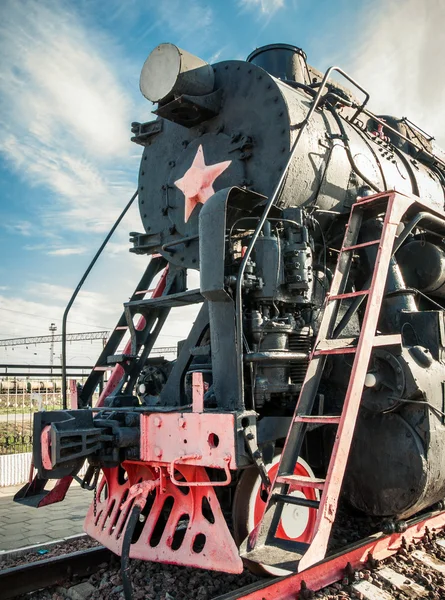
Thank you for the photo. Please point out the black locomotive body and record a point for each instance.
(248, 175)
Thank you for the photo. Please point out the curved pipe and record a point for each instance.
(348, 150)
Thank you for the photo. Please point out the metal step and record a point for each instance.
(359, 246)
(326, 346)
(168, 301)
(301, 481)
(349, 345)
(348, 295)
(318, 419)
(285, 499)
(117, 359)
(274, 555)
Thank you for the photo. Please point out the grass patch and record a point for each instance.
(15, 437)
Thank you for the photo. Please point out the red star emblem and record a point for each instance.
(197, 182)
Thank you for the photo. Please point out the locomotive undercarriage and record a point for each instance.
(190, 449)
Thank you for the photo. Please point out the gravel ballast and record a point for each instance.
(155, 581)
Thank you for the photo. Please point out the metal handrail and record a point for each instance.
(368, 113)
(77, 290)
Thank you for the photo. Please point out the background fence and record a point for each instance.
(20, 398)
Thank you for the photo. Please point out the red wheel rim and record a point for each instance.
(297, 523)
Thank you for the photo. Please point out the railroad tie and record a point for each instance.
(410, 588)
(369, 591)
(403, 584)
(430, 561)
(441, 542)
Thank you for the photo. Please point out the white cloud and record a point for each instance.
(185, 19)
(66, 251)
(118, 248)
(399, 56)
(266, 7)
(64, 114)
(92, 311)
(55, 250)
(215, 56)
(22, 227)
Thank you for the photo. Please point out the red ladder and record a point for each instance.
(262, 545)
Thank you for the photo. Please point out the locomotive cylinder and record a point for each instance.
(423, 267)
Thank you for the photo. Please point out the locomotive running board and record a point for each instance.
(263, 544)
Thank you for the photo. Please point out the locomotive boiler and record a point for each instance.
(314, 369)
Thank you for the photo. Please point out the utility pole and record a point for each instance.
(53, 329)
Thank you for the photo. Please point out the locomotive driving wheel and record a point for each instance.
(297, 523)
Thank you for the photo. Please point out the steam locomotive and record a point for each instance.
(316, 362)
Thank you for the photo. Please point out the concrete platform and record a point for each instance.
(24, 526)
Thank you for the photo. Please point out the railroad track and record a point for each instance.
(381, 567)
(30, 577)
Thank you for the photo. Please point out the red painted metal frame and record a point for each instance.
(333, 568)
(200, 439)
(59, 491)
(173, 449)
(118, 371)
(197, 392)
(195, 509)
(45, 442)
(397, 205)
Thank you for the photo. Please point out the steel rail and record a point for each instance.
(47, 572)
(44, 573)
(332, 568)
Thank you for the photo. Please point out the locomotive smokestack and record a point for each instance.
(283, 61)
(169, 72)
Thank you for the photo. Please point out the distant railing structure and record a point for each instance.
(20, 398)
(26, 389)
(50, 339)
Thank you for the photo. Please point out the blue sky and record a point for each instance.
(70, 89)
